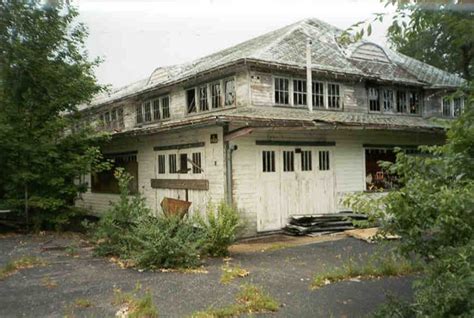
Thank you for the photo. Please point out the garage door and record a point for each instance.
(293, 181)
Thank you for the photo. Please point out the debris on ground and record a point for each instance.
(369, 235)
(322, 223)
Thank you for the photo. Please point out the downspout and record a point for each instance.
(228, 167)
(309, 76)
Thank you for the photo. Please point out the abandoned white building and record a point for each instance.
(244, 125)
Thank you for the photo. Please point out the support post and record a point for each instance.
(309, 76)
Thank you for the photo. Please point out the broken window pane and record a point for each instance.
(229, 87)
(191, 100)
(457, 106)
(401, 102)
(203, 102)
(414, 103)
(139, 114)
(374, 101)
(216, 95)
(183, 163)
(120, 117)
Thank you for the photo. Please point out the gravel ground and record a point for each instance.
(285, 273)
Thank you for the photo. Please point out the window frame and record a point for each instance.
(291, 93)
(140, 109)
(451, 106)
(208, 88)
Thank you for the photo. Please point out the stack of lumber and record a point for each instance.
(322, 223)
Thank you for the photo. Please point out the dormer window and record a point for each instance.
(374, 102)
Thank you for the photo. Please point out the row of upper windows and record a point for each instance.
(210, 96)
(324, 94)
(153, 110)
(386, 100)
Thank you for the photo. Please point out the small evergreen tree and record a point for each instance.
(44, 75)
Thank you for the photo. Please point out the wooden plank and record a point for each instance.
(190, 184)
(294, 143)
(126, 153)
(388, 146)
(180, 146)
(238, 133)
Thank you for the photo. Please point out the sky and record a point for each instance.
(135, 37)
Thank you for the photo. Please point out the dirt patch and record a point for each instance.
(279, 241)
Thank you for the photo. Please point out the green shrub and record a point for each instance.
(166, 242)
(115, 227)
(220, 228)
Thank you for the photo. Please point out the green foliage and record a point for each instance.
(45, 73)
(432, 212)
(136, 305)
(250, 300)
(391, 264)
(220, 228)
(118, 223)
(129, 230)
(438, 33)
(165, 242)
(22, 263)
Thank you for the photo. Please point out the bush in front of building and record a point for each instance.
(128, 230)
(220, 228)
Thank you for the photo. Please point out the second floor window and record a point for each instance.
(203, 102)
(452, 107)
(112, 119)
(299, 92)
(216, 95)
(334, 97)
(318, 94)
(401, 102)
(191, 100)
(387, 100)
(414, 100)
(229, 87)
(152, 110)
(282, 93)
(374, 102)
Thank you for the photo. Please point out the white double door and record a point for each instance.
(293, 180)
